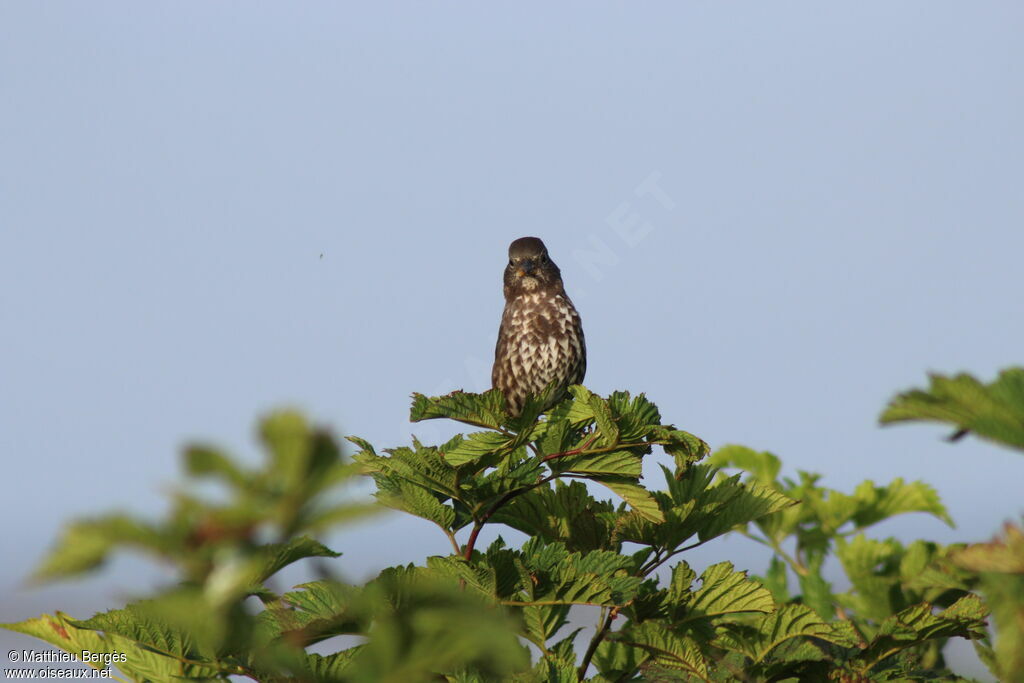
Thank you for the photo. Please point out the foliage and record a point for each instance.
(994, 412)
(600, 541)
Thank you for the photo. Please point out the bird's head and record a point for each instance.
(530, 268)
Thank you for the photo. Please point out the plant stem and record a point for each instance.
(479, 524)
(599, 635)
(658, 561)
(451, 538)
(574, 451)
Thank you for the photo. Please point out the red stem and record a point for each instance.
(575, 451)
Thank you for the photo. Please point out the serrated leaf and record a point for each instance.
(616, 463)
(592, 406)
(332, 667)
(685, 448)
(873, 568)
(481, 410)
(566, 513)
(416, 500)
(762, 466)
(140, 663)
(617, 661)
(638, 498)
(723, 505)
(276, 556)
(475, 446)
(138, 622)
(771, 630)
(554, 576)
(665, 648)
(994, 411)
(543, 622)
(634, 415)
(876, 503)
(725, 591)
(679, 587)
(918, 624)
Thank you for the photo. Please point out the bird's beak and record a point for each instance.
(526, 267)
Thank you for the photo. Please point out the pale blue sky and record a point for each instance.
(842, 212)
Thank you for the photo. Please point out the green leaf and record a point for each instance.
(918, 624)
(875, 503)
(762, 466)
(425, 624)
(332, 667)
(416, 500)
(668, 650)
(617, 661)
(139, 663)
(721, 505)
(617, 463)
(771, 630)
(203, 461)
(287, 436)
(726, 591)
(639, 498)
(592, 406)
(543, 622)
(145, 622)
(476, 446)
(994, 411)
(817, 592)
(634, 415)
(85, 545)
(685, 448)
(551, 575)
(1001, 564)
(776, 580)
(873, 568)
(482, 410)
(1005, 556)
(566, 513)
(276, 556)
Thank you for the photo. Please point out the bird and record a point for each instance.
(540, 340)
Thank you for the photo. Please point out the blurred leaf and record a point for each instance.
(1001, 567)
(1004, 556)
(204, 461)
(763, 466)
(85, 545)
(994, 411)
(876, 503)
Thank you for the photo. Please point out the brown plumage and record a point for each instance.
(541, 336)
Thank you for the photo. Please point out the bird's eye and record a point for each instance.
(510, 262)
(543, 258)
